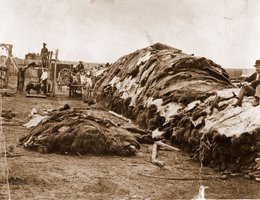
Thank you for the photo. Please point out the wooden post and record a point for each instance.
(7, 64)
(50, 57)
(55, 71)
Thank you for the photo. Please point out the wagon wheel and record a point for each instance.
(63, 76)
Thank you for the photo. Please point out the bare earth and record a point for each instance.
(33, 175)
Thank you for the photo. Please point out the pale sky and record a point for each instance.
(226, 31)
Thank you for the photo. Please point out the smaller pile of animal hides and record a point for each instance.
(81, 131)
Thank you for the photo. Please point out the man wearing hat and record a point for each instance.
(44, 55)
(80, 67)
(251, 87)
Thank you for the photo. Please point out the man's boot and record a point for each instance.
(238, 103)
(256, 102)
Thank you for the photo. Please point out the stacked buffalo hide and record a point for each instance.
(183, 98)
(82, 131)
(223, 136)
(158, 75)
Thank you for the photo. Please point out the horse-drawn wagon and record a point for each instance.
(79, 83)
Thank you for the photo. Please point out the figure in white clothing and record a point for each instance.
(44, 78)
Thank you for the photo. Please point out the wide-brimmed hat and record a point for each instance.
(80, 61)
(44, 43)
(257, 63)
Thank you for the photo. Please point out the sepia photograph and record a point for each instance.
(129, 99)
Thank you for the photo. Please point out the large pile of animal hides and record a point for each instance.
(178, 96)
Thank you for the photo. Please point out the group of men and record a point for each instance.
(251, 86)
(44, 73)
(44, 55)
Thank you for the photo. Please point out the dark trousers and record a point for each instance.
(44, 61)
(44, 82)
(249, 90)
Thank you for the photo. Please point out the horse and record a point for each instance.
(74, 84)
(87, 86)
(59, 85)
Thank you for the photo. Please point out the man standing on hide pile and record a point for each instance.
(44, 55)
(251, 87)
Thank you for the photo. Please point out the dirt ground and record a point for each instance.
(33, 175)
